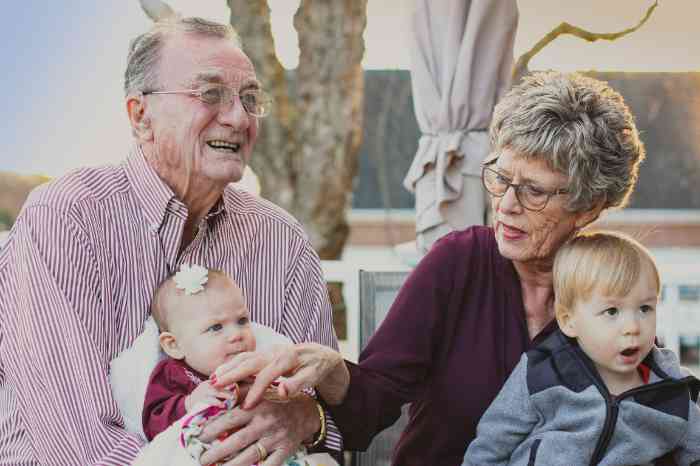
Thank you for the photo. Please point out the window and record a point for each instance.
(690, 350)
(689, 292)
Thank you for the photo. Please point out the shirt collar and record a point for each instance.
(154, 194)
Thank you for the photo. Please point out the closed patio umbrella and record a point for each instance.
(462, 55)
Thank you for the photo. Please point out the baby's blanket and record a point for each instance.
(179, 445)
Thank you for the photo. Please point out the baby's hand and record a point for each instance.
(206, 393)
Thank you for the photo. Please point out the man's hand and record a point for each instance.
(279, 427)
(206, 393)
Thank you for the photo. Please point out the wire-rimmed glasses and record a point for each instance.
(529, 196)
(256, 102)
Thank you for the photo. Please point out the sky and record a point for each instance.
(63, 62)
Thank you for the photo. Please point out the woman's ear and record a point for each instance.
(590, 215)
(169, 344)
(140, 122)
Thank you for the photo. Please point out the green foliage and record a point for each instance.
(6, 220)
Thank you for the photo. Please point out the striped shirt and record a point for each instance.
(77, 276)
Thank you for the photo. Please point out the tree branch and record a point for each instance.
(566, 28)
(157, 10)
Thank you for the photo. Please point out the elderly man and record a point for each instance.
(87, 252)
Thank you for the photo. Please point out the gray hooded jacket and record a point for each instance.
(555, 410)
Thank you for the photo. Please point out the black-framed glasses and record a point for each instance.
(530, 197)
(256, 102)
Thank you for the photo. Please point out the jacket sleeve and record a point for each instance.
(688, 452)
(505, 424)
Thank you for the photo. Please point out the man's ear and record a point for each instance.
(567, 324)
(140, 122)
(169, 344)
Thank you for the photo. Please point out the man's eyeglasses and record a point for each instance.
(530, 197)
(256, 102)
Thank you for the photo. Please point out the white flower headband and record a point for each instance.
(191, 278)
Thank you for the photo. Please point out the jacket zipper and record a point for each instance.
(612, 410)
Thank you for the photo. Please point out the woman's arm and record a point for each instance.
(393, 369)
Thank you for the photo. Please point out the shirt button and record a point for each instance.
(153, 227)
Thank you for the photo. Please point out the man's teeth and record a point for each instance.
(218, 144)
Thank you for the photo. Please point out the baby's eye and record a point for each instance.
(243, 321)
(215, 328)
(611, 311)
(646, 308)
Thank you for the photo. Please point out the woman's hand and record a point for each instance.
(297, 367)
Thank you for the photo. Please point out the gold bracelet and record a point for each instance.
(322, 432)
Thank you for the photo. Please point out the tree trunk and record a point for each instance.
(272, 157)
(330, 85)
(306, 155)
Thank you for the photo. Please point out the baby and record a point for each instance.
(598, 391)
(199, 330)
(203, 321)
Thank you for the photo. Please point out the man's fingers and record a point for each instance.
(240, 444)
(276, 458)
(230, 420)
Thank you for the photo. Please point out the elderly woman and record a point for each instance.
(565, 147)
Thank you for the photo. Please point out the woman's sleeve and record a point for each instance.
(395, 365)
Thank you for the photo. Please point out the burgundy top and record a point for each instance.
(450, 340)
(170, 383)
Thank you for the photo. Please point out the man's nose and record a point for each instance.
(233, 114)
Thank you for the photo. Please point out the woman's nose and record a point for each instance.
(509, 202)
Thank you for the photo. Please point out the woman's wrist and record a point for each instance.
(334, 387)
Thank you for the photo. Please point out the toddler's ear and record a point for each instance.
(170, 346)
(567, 324)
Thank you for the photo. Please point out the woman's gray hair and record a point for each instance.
(581, 127)
(145, 50)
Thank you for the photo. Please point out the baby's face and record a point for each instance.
(212, 326)
(617, 333)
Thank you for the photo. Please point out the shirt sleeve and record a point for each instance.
(308, 317)
(394, 367)
(165, 399)
(54, 345)
(505, 424)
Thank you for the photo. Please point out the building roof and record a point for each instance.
(666, 107)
